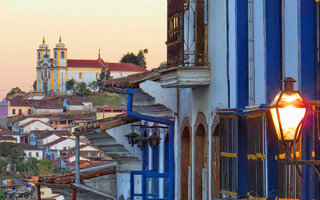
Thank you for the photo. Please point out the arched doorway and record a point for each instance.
(200, 158)
(185, 163)
(199, 162)
(215, 162)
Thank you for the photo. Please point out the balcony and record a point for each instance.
(185, 77)
(187, 60)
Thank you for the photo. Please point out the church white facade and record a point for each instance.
(53, 73)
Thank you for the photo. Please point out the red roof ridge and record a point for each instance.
(32, 121)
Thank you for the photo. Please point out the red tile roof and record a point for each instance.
(99, 63)
(7, 137)
(25, 146)
(78, 100)
(40, 134)
(20, 102)
(128, 67)
(33, 121)
(133, 81)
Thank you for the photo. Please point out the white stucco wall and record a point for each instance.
(34, 154)
(49, 139)
(88, 75)
(165, 96)
(36, 126)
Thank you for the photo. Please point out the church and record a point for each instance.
(53, 73)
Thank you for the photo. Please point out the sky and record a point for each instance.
(114, 26)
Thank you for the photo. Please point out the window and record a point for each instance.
(228, 156)
(39, 55)
(13, 111)
(62, 54)
(175, 37)
(55, 54)
(29, 154)
(29, 111)
(81, 75)
(20, 111)
(37, 154)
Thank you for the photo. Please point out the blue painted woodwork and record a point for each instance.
(242, 155)
(273, 80)
(155, 158)
(242, 53)
(273, 48)
(171, 146)
(310, 187)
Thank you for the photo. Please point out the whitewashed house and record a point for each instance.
(52, 150)
(77, 103)
(31, 151)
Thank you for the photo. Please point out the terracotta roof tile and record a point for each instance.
(7, 137)
(86, 63)
(78, 100)
(133, 81)
(40, 134)
(25, 146)
(128, 67)
(100, 63)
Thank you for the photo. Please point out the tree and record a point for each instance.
(70, 84)
(2, 194)
(35, 85)
(104, 76)
(16, 154)
(93, 85)
(32, 166)
(130, 58)
(81, 90)
(45, 167)
(14, 91)
(3, 166)
(139, 59)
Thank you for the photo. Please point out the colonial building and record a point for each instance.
(53, 73)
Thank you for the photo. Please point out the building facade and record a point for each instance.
(53, 73)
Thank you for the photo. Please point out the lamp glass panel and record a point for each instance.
(276, 122)
(291, 98)
(290, 118)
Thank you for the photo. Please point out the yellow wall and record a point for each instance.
(24, 110)
(8, 141)
(99, 115)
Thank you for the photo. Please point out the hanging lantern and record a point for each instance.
(141, 141)
(153, 140)
(288, 111)
(130, 137)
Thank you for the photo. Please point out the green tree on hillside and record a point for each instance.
(93, 85)
(104, 76)
(138, 59)
(70, 84)
(81, 90)
(14, 91)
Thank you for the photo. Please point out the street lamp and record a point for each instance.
(288, 111)
(141, 141)
(154, 140)
(130, 137)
